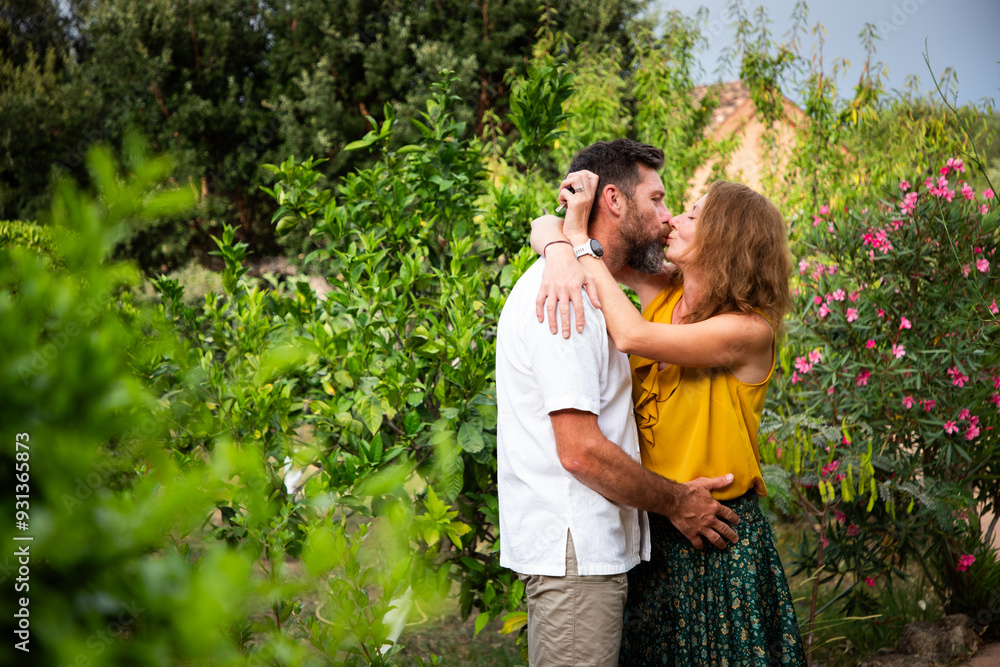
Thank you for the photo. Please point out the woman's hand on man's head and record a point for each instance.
(577, 191)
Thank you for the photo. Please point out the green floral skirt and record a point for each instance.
(711, 607)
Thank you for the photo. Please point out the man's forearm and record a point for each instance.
(605, 468)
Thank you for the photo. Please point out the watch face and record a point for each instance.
(596, 246)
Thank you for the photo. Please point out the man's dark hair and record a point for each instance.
(617, 163)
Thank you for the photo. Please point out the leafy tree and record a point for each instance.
(228, 85)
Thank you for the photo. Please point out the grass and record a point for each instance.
(453, 642)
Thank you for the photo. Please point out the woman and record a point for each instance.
(702, 355)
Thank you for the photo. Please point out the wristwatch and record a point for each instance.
(591, 247)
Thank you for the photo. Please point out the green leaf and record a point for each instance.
(514, 621)
(481, 621)
(470, 437)
(369, 408)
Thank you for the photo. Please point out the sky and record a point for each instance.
(961, 34)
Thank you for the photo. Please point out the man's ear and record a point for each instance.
(613, 200)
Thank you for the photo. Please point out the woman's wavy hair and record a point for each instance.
(741, 251)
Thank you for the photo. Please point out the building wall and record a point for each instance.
(737, 116)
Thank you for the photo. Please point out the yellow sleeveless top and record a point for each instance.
(697, 422)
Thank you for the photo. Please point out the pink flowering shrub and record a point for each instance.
(895, 345)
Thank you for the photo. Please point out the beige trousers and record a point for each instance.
(574, 621)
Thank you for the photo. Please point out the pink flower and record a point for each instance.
(839, 516)
(964, 414)
(839, 295)
(803, 266)
(964, 562)
(904, 185)
(817, 220)
(881, 313)
(862, 378)
(823, 311)
(982, 265)
(870, 344)
(958, 378)
(942, 181)
(869, 581)
(795, 377)
(993, 307)
(802, 365)
(830, 467)
(966, 270)
(985, 209)
(815, 356)
(988, 193)
(779, 452)
(956, 164)
(824, 209)
(853, 530)
(852, 314)
(929, 183)
(907, 402)
(928, 404)
(968, 192)
(898, 351)
(972, 433)
(878, 240)
(995, 400)
(944, 170)
(826, 541)
(852, 297)
(950, 427)
(817, 300)
(904, 323)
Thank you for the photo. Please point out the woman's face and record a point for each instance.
(681, 237)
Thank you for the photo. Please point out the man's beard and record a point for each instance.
(642, 253)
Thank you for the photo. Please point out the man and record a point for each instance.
(567, 455)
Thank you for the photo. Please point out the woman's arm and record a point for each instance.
(732, 340)
(563, 276)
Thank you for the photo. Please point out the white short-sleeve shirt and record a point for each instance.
(538, 373)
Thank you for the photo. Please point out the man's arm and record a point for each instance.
(604, 467)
